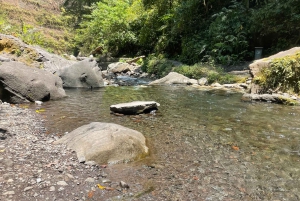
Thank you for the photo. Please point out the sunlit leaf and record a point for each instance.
(91, 194)
(101, 187)
(40, 110)
(236, 148)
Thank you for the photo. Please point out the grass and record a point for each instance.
(161, 67)
(37, 22)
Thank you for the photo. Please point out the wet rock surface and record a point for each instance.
(135, 107)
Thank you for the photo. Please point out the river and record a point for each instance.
(205, 144)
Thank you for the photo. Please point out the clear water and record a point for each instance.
(256, 144)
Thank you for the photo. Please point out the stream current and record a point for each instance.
(205, 144)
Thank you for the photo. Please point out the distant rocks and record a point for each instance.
(105, 143)
(135, 107)
(268, 95)
(124, 74)
(275, 98)
(172, 78)
(21, 83)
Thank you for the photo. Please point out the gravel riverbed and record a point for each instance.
(33, 168)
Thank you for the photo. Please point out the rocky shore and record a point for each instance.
(32, 168)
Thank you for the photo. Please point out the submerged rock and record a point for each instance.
(135, 107)
(105, 143)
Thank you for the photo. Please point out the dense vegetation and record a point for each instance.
(283, 74)
(191, 31)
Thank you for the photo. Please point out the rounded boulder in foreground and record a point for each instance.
(105, 143)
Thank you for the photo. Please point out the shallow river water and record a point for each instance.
(205, 144)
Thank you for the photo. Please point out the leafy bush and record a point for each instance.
(158, 66)
(213, 73)
(282, 74)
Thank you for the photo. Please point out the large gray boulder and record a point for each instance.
(105, 143)
(52, 62)
(21, 83)
(172, 78)
(135, 107)
(85, 73)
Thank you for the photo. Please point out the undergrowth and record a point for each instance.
(161, 67)
(282, 74)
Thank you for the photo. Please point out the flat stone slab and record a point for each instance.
(135, 107)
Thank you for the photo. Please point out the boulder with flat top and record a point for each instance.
(135, 107)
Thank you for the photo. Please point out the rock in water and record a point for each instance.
(85, 73)
(105, 143)
(135, 107)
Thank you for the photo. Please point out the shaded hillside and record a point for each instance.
(38, 22)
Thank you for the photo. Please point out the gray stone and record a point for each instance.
(90, 180)
(4, 59)
(9, 193)
(85, 73)
(172, 78)
(62, 183)
(276, 98)
(105, 143)
(28, 188)
(21, 83)
(216, 85)
(39, 57)
(119, 67)
(123, 184)
(203, 81)
(52, 188)
(135, 107)
(193, 81)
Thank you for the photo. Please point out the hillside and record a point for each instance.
(37, 22)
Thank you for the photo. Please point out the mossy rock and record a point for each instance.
(18, 50)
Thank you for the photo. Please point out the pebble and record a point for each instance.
(52, 188)
(62, 183)
(9, 193)
(28, 188)
(91, 180)
(123, 184)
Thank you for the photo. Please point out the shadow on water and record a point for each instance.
(256, 142)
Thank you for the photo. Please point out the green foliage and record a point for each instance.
(228, 34)
(157, 65)
(276, 25)
(107, 26)
(213, 73)
(282, 74)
